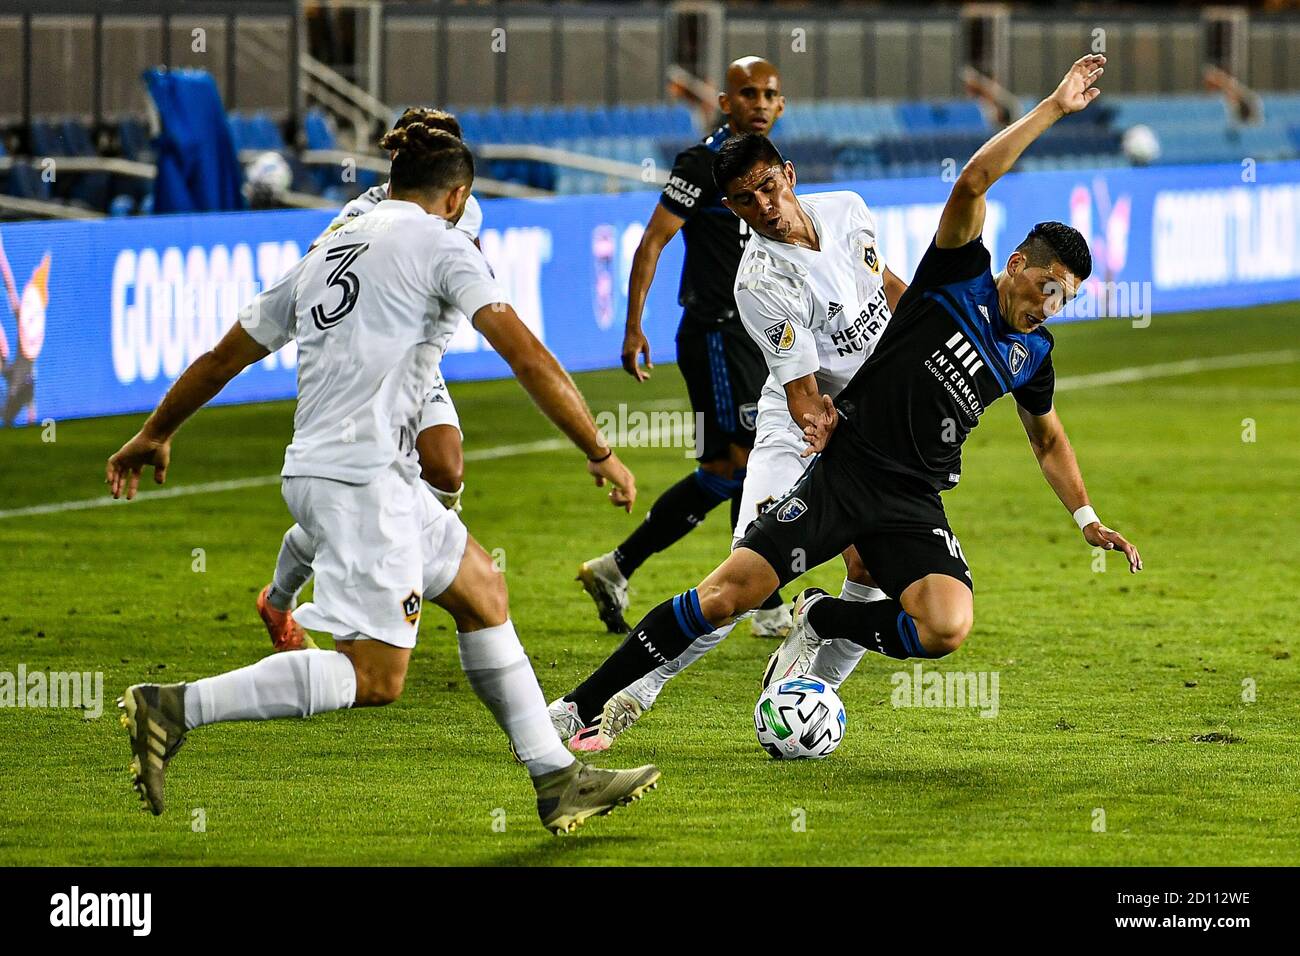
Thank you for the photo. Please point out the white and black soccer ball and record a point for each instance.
(799, 718)
(1141, 145)
(268, 177)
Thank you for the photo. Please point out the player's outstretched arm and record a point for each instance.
(659, 231)
(1061, 469)
(963, 216)
(543, 378)
(198, 384)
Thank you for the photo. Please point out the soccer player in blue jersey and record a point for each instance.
(891, 441)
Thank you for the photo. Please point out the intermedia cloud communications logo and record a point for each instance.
(77, 909)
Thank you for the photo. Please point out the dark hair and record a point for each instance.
(430, 117)
(1050, 242)
(740, 154)
(427, 159)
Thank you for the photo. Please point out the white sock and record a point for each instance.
(292, 568)
(498, 670)
(836, 658)
(853, 591)
(292, 684)
(647, 689)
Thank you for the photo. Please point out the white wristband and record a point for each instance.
(1085, 516)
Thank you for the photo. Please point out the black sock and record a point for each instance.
(880, 626)
(658, 637)
(773, 600)
(676, 512)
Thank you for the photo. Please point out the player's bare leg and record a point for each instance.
(442, 463)
(498, 670)
(931, 619)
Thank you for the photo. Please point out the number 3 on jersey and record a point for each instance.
(349, 285)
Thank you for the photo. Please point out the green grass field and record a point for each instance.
(1117, 693)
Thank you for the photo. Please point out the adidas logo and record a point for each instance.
(833, 309)
(984, 311)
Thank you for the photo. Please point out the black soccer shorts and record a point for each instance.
(896, 522)
(724, 372)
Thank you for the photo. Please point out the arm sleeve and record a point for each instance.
(772, 310)
(462, 276)
(271, 319)
(690, 185)
(1036, 395)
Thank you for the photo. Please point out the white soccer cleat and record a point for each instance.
(796, 653)
(602, 579)
(621, 712)
(564, 718)
(774, 622)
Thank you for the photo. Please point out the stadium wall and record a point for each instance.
(113, 310)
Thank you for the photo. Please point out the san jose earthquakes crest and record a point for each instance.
(1017, 357)
(781, 335)
(791, 510)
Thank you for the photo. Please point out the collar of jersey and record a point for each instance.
(403, 207)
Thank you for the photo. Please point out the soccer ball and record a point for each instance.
(269, 176)
(799, 718)
(1141, 145)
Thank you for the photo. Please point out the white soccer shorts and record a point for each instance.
(438, 408)
(775, 464)
(382, 550)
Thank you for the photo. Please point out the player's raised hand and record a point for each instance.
(1076, 90)
(636, 347)
(623, 494)
(123, 470)
(817, 426)
(1099, 536)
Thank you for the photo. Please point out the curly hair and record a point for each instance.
(1050, 242)
(426, 159)
(430, 117)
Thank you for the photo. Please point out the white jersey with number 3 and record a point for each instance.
(367, 308)
(818, 313)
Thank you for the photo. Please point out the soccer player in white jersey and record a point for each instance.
(366, 309)
(438, 442)
(814, 293)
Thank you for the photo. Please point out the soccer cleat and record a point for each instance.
(154, 717)
(286, 633)
(795, 655)
(566, 798)
(774, 622)
(602, 579)
(621, 712)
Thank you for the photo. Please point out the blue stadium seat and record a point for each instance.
(318, 130)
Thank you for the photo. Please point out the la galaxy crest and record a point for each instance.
(781, 335)
(870, 259)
